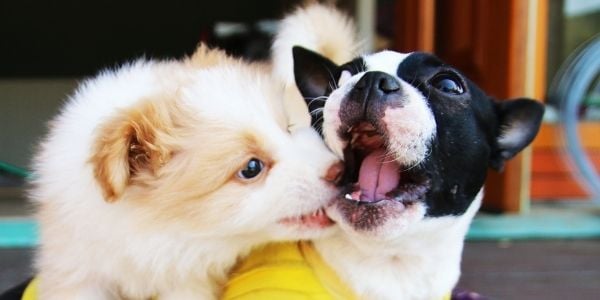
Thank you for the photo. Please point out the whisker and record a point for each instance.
(388, 160)
(318, 99)
(333, 80)
(418, 85)
(413, 80)
(320, 118)
(418, 162)
(319, 127)
(317, 111)
(388, 157)
(314, 98)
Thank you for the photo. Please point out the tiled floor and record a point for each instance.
(15, 267)
(565, 269)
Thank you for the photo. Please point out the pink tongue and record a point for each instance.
(378, 175)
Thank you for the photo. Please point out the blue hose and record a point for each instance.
(568, 89)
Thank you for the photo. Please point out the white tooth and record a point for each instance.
(348, 196)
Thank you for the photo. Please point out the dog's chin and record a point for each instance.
(380, 190)
(376, 219)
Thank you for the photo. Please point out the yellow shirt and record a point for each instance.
(30, 292)
(285, 271)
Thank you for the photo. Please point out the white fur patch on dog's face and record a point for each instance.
(384, 61)
(413, 124)
(331, 117)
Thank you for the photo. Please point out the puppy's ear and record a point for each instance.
(313, 72)
(519, 123)
(136, 140)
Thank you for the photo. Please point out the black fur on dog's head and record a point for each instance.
(417, 135)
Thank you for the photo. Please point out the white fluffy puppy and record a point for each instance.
(155, 177)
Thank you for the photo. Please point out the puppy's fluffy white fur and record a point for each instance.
(420, 260)
(137, 186)
(320, 28)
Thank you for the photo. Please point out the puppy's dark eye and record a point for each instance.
(448, 83)
(253, 167)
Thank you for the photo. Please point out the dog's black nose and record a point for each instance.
(377, 83)
(373, 93)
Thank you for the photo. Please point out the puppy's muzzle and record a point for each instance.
(334, 173)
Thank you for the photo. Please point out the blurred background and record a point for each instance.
(537, 235)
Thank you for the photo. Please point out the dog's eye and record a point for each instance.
(447, 83)
(253, 167)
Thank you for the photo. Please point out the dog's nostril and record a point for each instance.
(334, 173)
(388, 85)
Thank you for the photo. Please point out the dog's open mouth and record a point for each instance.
(373, 173)
(316, 219)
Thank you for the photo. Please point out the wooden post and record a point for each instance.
(491, 42)
(414, 25)
(500, 45)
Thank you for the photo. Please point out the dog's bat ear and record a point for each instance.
(313, 72)
(519, 123)
(131, 143)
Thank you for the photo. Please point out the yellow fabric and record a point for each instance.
(285, 271)
(30, 292)
(292, 271)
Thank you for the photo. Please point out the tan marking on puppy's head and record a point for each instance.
(210, 159)
(205, 57)
(137, 140)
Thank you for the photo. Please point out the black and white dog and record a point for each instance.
(417, 138)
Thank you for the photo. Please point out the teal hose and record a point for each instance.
(14, 170)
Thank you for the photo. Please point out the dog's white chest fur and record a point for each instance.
(423, 264)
